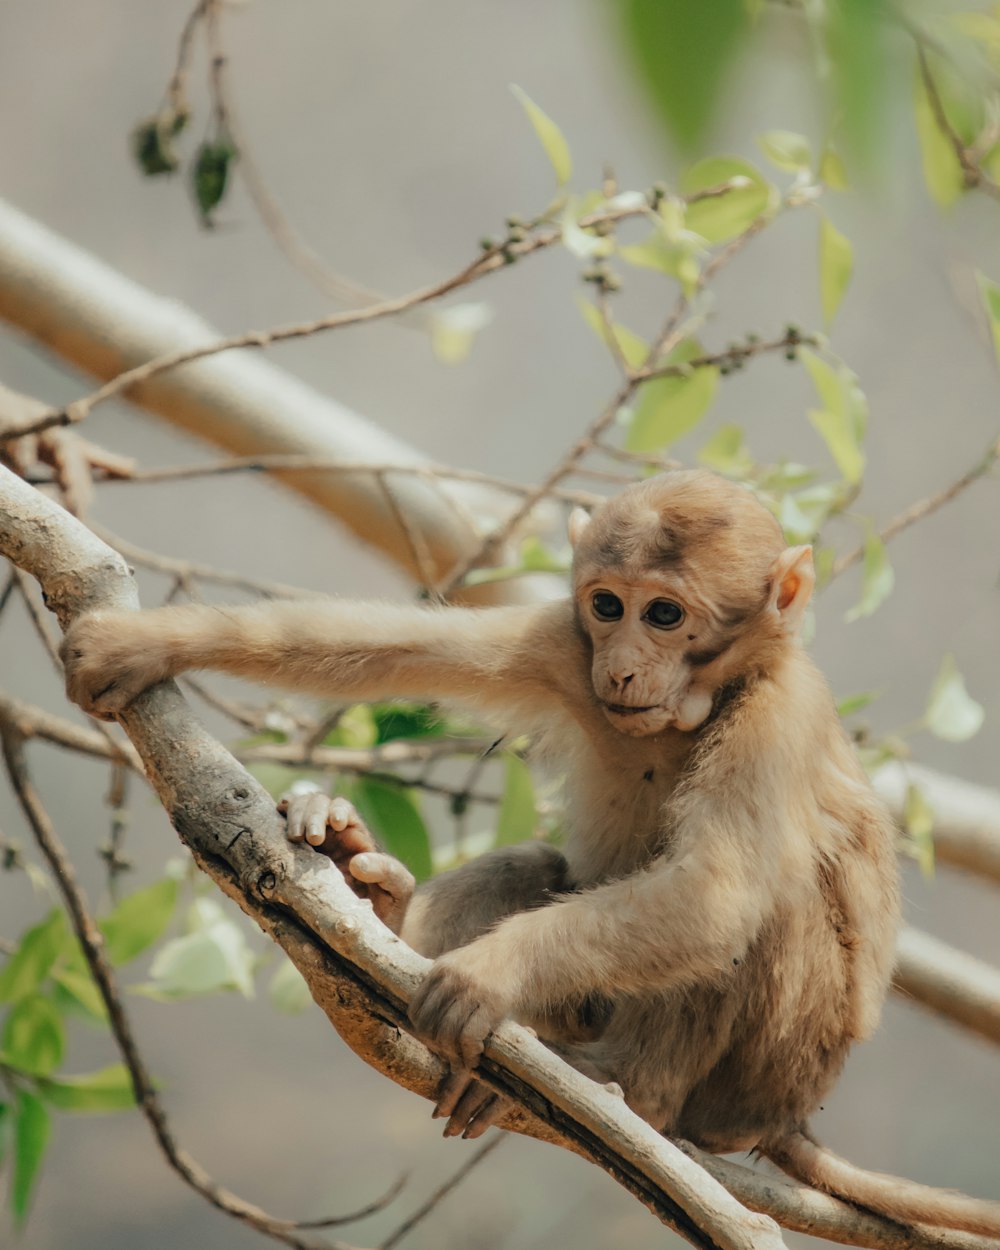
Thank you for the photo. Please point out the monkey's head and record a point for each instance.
(682, 583)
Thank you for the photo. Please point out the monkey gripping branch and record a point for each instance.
(363, 976)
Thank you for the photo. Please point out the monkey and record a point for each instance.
(719, 928)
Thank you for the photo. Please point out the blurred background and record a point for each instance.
(390, 136)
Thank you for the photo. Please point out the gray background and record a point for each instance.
(390, 135)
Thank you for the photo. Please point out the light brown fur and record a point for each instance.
(722, 927)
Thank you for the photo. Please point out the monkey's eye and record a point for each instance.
(664, 614)
(607, 607)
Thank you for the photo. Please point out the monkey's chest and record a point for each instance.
(618, 825)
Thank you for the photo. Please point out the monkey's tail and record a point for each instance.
(802, 1157)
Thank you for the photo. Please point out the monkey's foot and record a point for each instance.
(335, 829)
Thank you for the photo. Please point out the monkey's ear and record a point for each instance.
(577, 523)
(792, 581)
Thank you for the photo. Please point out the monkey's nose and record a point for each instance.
(621, 681)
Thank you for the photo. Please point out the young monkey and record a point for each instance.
(721, 927)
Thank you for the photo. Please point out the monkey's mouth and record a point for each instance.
(621, 709)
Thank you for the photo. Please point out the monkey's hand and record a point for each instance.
(110, 659)
(334, 828)
(460, 1002)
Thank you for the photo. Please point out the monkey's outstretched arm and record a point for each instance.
(500, 659)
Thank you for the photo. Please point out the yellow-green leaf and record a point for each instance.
(990, 293)
(108, 1089)
(726, 452)
(832, 170)
(517, 819)
(728, 214)
(786, 149)
(836, 263)
(668, 408)
(454, 330)
(918, 819)
(878, 578)
(633, 348)
(942, 168)
(952, 713)
(549, 135)
(842, 420)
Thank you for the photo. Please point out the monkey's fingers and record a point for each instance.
(453, 1015)
(332, 826)
(476, 1109)
(390, 885)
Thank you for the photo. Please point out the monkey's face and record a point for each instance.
(655, 663)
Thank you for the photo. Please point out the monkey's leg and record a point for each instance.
(334, 828)
(459, 906)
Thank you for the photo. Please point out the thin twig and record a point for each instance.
(664, 343)
(189, 569)
(293, 246)
(923, 508)
(441, 1192)
(493, 258)
(92, 944)
(290, 463)
(972, 172)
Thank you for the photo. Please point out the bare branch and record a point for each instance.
(948, 981)
(85, 927)
(440, 1193)
(924, 507)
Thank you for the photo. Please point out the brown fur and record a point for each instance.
(723, 924)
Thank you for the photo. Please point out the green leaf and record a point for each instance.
(633, 348)
(952, 713)
(549, 135)
(210, 174)
(138, 921)
(214, 958)
(990, 293)
(36, 953)
(32, 1128)
(859, 57)
(454, 330)
(786, 149)
(153, 143)
(108, 1089)
(668, 408)
(288, 990)
(943, 173)
(355, 728)
(34, 1039)
(726, 452)
(658, 252)
(836, 263)
(406, 720)
(856, 703)
(844, 416)
(802, 514)
(722, 217)
(80, 990)
(878, 578)
(392, 814)
(5, 1117)
(918, 820)
(517, 817)
(681, 49)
